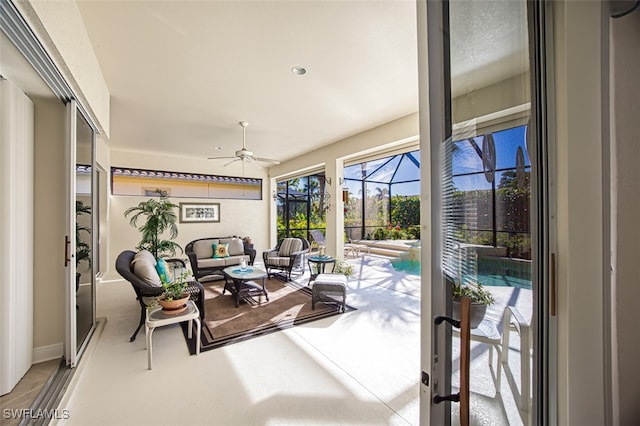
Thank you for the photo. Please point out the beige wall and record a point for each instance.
(400, 132)
(579, 189)
(237, 217)
(59, 27)
(509, 93)
(625, 53)
(49, 270)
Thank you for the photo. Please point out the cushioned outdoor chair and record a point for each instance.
(145, 291)
(286, 257)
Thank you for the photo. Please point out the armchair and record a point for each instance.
(145, 291)
(286, 257)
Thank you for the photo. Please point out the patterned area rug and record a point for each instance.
(289, 305)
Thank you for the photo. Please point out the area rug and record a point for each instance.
(289, 305)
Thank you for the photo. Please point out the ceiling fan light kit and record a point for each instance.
(244, 154)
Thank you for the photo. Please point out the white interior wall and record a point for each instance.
(237, 217)
(49, 270)
(59, 27)
(16, 244)
(402, 131)
(625, 56)
(579, 186)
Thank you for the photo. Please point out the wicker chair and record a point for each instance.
(286, 257)
(144, 290)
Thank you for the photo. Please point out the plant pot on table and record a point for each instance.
(174, 306)
(476, 312)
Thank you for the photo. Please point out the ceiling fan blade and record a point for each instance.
(232, 161)
(219, 158)
(266, 160)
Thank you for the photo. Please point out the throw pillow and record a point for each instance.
(163, 270)
(220, 250)
(144, 268)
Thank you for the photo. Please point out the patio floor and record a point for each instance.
(362, 367)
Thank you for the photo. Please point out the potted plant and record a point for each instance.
(479, 297)
(160, 217)
(343, 267)
(83, 249)
(174, 298)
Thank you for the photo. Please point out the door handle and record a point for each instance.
(465, 352)
(67, 245)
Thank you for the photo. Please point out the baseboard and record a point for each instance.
(47, 353)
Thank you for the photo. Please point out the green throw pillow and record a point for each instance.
(220, 250)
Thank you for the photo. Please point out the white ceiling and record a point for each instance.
(183, 73)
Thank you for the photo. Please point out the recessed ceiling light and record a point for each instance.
(298, 70)
(218, 147)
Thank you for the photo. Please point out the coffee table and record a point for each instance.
(156, 317)
(241, 283)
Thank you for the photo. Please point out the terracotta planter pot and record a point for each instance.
(476, 312)
(173, 306)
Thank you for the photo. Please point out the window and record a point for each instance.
(125, 181)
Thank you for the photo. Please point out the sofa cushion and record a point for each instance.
(279, 261)
(236, 247)
(203, 248)
(144, 268)
(235, 260)
(289, 246)
(220, 250)
(211, 263)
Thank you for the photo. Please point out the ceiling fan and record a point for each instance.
(244, 154)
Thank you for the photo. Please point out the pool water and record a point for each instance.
(496, 280)
(409, 266)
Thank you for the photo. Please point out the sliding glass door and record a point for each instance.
(484, 122)
(80, 243)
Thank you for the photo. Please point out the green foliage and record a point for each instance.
(405, 210)
(83, 250)
(413, 232)
(159, 217)
(343, 267)
(475, 292)
(173, 290)
(380, 234)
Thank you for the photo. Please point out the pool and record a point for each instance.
(489, 280)
(409, 266)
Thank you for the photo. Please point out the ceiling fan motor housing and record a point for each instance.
(244, 154)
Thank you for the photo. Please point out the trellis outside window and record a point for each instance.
(301, 204)
(384, 198)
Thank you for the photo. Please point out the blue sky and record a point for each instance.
(467, 160)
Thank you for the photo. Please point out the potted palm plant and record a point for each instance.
(159, 217)
(83, 249)
(480, 298)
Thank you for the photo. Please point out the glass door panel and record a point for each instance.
(485, 207)
(81, 239)
(85, 247)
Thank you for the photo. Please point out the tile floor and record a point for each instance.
(358, 368)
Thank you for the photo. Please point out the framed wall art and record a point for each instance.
(199, 212)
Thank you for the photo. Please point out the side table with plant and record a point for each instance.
(174, 297)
